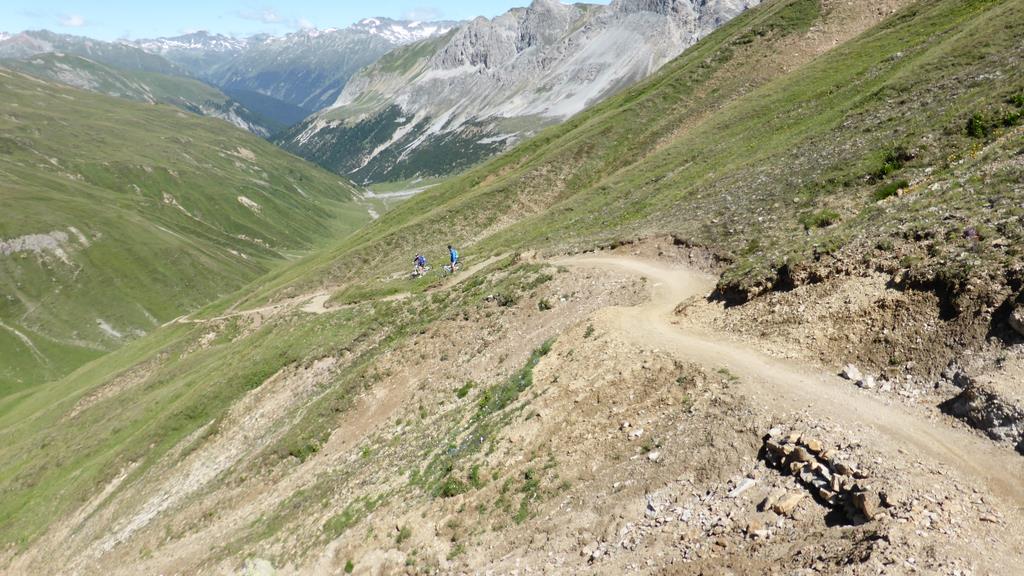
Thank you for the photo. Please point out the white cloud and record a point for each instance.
(266, 15)
(270, 17)
(72, 21)
(423, 13)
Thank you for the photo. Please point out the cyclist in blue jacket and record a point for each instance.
(419, 265)
(454, 255)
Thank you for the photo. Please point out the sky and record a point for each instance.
(113, 19)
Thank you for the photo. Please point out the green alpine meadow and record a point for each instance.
(123, 216)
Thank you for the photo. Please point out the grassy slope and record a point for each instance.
(753, 156)
(104, 79)
(110, 169)
(139, 85)
(722, 148)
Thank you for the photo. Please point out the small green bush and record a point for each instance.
(457, 551)
(349, 566)
(452, 487)
(978, 126)
(464, 390)
(1010, 118)
(819, 219)
(543, 305)
(890, 189)
(475, 480)
(981, 125)
(894, 159)
(505, 300)
(403, 534)
(523, 512)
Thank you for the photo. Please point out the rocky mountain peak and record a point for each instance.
(547, 6)
(23, 45)
(491, 43)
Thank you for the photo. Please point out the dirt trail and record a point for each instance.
(785, 386)
(317, 302)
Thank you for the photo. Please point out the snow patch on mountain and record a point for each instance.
(201, 41)
(403, 32)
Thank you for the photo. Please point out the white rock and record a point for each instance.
(743, 486)
(651, 511)
(850, 372)
(868, 383)
(654, 455)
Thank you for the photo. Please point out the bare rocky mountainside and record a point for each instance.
(760, 313)
(440, 105)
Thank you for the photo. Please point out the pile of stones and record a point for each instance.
(829, 479)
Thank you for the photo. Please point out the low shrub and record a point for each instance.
(819, 219)
(890, 189)
(463, 391)
(894, 159)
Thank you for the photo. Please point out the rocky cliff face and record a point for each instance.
(440, 105)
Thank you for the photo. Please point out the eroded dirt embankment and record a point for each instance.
(637, 445)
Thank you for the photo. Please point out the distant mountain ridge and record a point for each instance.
(124, 71)
(303, 70)
(149, 87)
(282, 79)
(439, 105)
(203, 41)
(193, 41)
(33, 42)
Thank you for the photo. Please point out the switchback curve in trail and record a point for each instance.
(786, 385)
